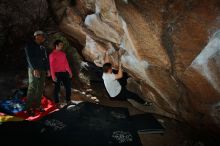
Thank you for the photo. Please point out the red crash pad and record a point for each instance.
(48, 105)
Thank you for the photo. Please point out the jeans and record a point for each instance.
(125, 94)
(65, 79)
(35, 89)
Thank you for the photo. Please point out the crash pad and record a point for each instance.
(15, 107)
(48, 105)
(90, 124)
(80, 125)
(146, 123)
(13, 110)
(8, 118)
(12, 106)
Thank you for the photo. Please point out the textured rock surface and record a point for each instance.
(172, 49)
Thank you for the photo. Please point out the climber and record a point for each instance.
(60, 72)
(112, 85)
(38, 67)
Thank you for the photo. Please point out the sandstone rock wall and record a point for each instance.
(172, 49)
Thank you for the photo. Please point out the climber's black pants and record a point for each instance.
(125, 94)
(62, 77)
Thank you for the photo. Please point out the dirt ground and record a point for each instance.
(176, 133)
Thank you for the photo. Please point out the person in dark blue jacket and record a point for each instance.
(38, 68)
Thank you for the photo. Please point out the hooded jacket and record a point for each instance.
(37, 57)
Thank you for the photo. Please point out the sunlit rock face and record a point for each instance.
(172, 49)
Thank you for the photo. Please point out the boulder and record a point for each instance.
(171, 50)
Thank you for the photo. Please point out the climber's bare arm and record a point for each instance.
(119, 75)
(101, 61)
(106, 58)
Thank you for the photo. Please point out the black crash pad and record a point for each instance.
(90, 124)
(146, 123)
(81, 125)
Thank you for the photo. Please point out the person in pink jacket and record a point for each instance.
(60, 71)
